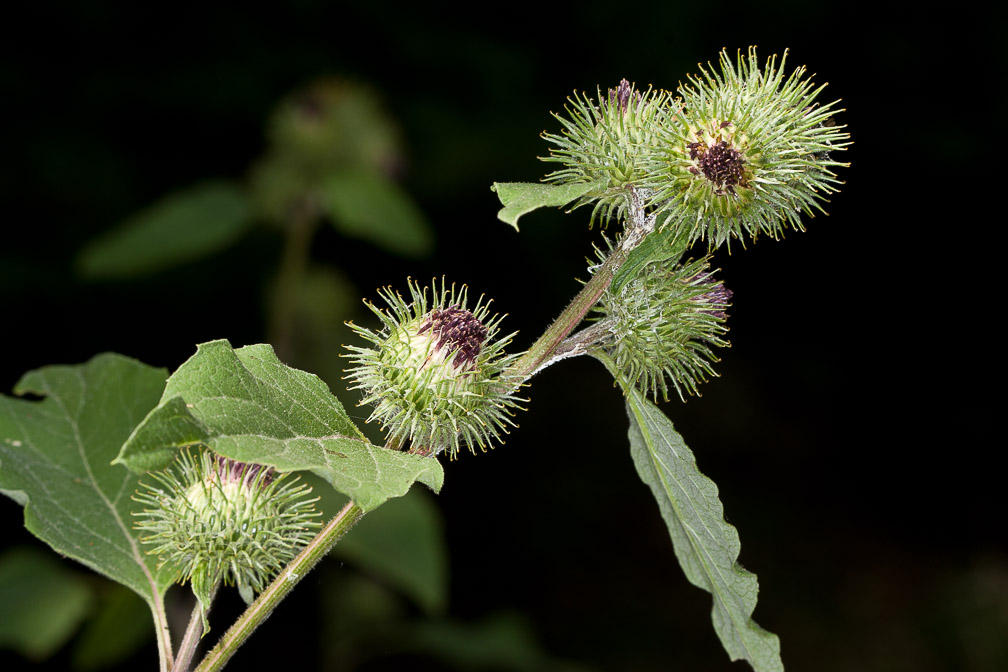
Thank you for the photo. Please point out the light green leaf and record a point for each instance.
(247, 405)
(519, 198)
(57, 452)
(707, 547)
(42, 603)
(403, 544)
(366, 205)
(179, 228)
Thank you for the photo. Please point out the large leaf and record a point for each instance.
(177, 229)
(707, 547)
(519, 198)
(55, 454)
(247, 405)
(369, 206)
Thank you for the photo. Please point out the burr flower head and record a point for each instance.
(217, 520)
(663, 325)
(434, 372)
(747, 152)
(609, 141)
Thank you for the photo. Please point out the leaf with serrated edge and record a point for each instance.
(58, 453)
(707, 547)
(247, 405)
(519, 198)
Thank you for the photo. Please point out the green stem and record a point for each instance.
(538, 355)
(263, 606)
(542, 352)
(193, 633)
(299, 230)
(165, 657)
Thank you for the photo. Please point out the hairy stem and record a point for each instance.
(165, 657)
(263, 606)
(578, 343)
(192, 635)
(543, 351)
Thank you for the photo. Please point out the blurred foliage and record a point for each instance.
(180, 228)
(42, 603)
(119, 627)
(332, 153)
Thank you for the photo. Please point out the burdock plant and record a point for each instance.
(740, 150)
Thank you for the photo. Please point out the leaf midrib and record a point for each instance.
(706, 560)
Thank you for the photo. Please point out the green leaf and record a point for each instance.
(366, 205)
(57, 452)
(519, 198)
(707, 547)
(656, 246)
(179, 228)
(42, 603)
(247, 405)
(403, 544)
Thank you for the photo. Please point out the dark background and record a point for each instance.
(851, 432)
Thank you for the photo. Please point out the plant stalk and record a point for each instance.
(193, 633)
(541, 354)
(299, 230)
(263, 606)
(166, 658)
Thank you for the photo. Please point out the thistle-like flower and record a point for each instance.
(747, 153)
(217, 520)
(435, 374)
(663, 324)
(611, 141)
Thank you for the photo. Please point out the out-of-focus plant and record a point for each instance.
(333, 156)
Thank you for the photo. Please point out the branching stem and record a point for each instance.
(552, 346)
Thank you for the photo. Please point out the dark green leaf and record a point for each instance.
(179, 228)
(366, 205)
(707, 547)
(657, 246)
(519, 198)
(58, 453)
(42, 603)
(247, 405)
